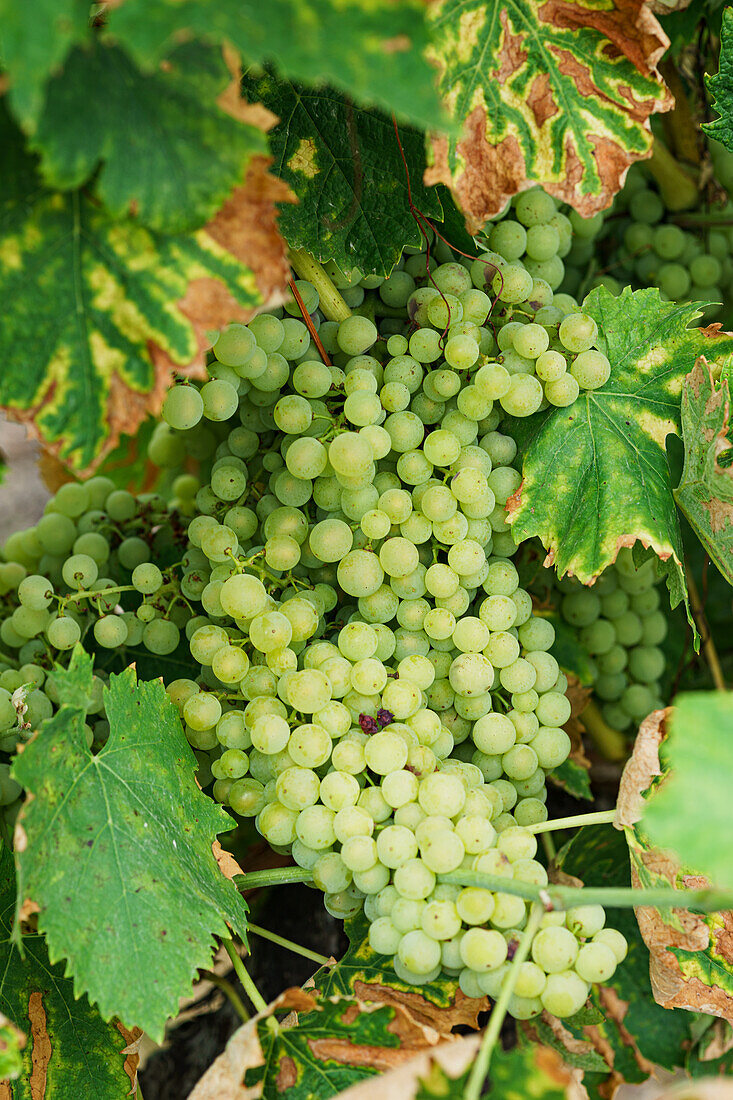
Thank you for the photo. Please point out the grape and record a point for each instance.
(63, 632)
(590, 369)
(147, 578)
(578, 332)
(564, 994)
(110, 631)
(183, 407)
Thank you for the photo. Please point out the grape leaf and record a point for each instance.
(187, 152)
(691, 957)
(34, 39)
(371, 49)
(573, 778)
(720, 86)
(86, 302)
(595, 474)
(337, 1043)
(636, 1027)
(361, 972)
(116, 850)
(691, 812)
(344, 164)
(70, 1051)
(705, 491)
(553, 93)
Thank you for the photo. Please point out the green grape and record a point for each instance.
(110, 631)
(183, 407)
(35, 592)
(147, 578)
(563, 391)
(63, 632)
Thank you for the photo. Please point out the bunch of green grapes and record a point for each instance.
(639, 243)
(620, 623)
(84, 573)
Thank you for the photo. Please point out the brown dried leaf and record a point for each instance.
(641, 769)
(462, 1012)
(403, 1082)
(226, 861)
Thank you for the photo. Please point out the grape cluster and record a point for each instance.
(621, 625)
(374, 689)
(641, 246)
(82, 573)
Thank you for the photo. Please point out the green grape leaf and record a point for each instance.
(691, 811)
(573, 778)
(336, 1044)
(595, 476)
(323, 1046)
(638, 1030)
(69, 1051)
(705, 491)
(34, 39)
(344, 164)
(720, 86)
(99, 297)
(362, 973)
(116, 850)
(187, 153)
(558, 94)
(371, 49)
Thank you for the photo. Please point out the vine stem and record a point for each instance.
(709, 900)
(610, 742)
(229, 992)
(491, 1034)
(308, 321)
(599, 817)
(248, 985)
(103, 592)
(332, 305)
(266, 934)
(708, 645)
(272, 876)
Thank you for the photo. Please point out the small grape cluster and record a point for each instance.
(621, 625)
(82, 573)
(642, 246)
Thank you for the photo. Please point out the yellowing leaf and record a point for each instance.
(551, 92)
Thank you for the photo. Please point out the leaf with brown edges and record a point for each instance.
(548, 92)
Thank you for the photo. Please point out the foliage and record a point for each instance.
(604, 456)
(705, 491)
(548, 93)
(720, 86)
(699, 753)
(344, 164)
(68, 1050)
(102, 830)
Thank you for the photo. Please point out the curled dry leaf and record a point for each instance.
(226, 861)
(702, 1088)
(223, 1079)
(691, 955)
(403, 1083)
(641, 769)
(462, 1012)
